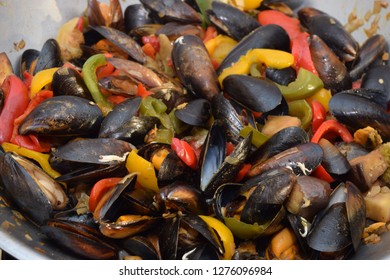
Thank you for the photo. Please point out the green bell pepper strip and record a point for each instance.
(89, 75)
(258, 138)
(302, 110)
(305, 85)
(154, 107)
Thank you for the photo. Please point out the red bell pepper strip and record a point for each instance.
(15, 103)
(299, 39)
(242, 173)
(153, 41)
(30, 141)
(99, 189)
(211, 33)
(332, 127)
(184, 152)
(142, 91)
(329, 127)
(318, 115)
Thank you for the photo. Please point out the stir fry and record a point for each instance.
(200, 130)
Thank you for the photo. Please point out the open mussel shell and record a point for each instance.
(282, 140)
(84, 151)
(31, 189)
(184, 197)
(182, 234)
(63, 116)
(125, 210)
(256, 94)
(81, 239)
(302, 159)
(173, 10)
(358, 112)
(68, 81)
(28, 60)
(223, 111)
(140, 246)
(231, 20)
(341, 223)
(268, 197)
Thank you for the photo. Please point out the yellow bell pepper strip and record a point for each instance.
(271, 58)
(41, 158)
(89, 75)
(146, 174)
(41, 79)
(224, 234)
(258, 138)
(219, 47)
(246, 5)
(323, 96)
(302, 110)
(305, 85)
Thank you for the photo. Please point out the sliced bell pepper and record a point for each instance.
(332, 127)
(184, 152)
(258, 138)
(41, 79)
(41, 158)
(270, 57)
(305, 85)
(90, 78)
(219, 47)
(224, 234)
(99, 189)
(319, 115)
(243, 230)
(142, 91)
(15, 103)
(154, 107)
(246, 5)
(323, 96)
(298, 38)
(302, 110)
(146, 174)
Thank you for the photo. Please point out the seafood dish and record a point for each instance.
(196, 130)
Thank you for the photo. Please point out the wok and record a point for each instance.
(34, 21)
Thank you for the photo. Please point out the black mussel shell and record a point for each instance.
(27, 59)
(123, 41)
(378, 78)
(136, 15)
(281, 76)
(196, 112)
(256, 94)
(34, 192)
(172, 10)
(334, 161)
(140, 246)
(193, 66)
(81, 239)
(282, 140)
(49, 56)
(302, 159)
(358, 112)
(68, 81)
(119, 116)
(63, 116)
(231, 20)
(81, 152)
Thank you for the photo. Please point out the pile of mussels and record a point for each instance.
(194, 130)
